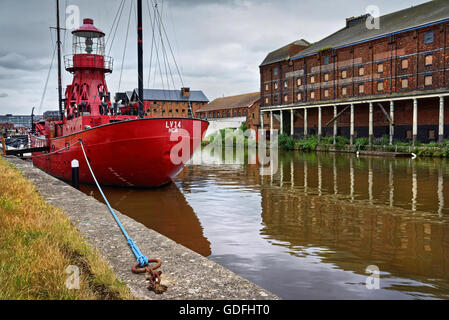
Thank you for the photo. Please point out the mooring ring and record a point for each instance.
(138, 270)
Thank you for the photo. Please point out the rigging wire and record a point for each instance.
(124, 49)
(48, 78)
(115, 19)
(170, 47)
(115, 31)
(152, 22)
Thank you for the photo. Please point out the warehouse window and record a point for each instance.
(326, 59)
(404, 64)
(276, 85)
(312, 95)
(428, 37)
(326, 93)
(312, 79)
(404, 82)
(344, 74)
(431, 134)
(380, 86)
(266, 100)
(299, 96)
(267, 87)
(361, 88)
(361, 71)
(298, 82)
(326, 77)
(275, 71)
(286, 98)
(285, 83)
(344, 91)
(429, 60)
(380, 68)
(428, 80)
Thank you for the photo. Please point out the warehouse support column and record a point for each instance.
(415, 121)
(262, 126)
(441, 121)
(271, 124)
(335, 125)
(352, 125)
(305, 123)
(281, 126)
(292, 122)
(392, 122)
(371, 128)
(320, 129)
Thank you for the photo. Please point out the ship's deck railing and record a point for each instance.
(88, 61)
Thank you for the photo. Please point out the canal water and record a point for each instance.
(312, 228)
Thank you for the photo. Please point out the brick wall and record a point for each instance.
(170, 109)
(376, 65)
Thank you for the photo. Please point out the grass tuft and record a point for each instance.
(38, 243)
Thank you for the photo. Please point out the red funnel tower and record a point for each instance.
(88, 94)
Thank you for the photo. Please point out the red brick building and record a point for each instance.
(243, 106)
(162, 103)
(365, 82)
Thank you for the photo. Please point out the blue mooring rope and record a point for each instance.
(141, 259)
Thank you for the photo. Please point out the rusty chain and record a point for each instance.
(153, 276)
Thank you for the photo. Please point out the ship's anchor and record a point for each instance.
(153, 276)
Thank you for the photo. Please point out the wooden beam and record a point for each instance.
(338, 116)
(386, 114)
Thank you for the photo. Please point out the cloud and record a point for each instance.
(3, 95)
(218, 44)
(17, 61)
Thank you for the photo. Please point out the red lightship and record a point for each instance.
(123, 148)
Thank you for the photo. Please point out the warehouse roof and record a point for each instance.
(283, 53)
(233, 102)
(171, 95)
(418, 16)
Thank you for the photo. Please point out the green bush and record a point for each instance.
(308, 144)
(341, 142)
(361, 143)
(286, 142)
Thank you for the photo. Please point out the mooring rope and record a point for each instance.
(51, 153)
(143, 263)
(141, 259)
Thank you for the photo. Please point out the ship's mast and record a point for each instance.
(140, 55)
(58, 31)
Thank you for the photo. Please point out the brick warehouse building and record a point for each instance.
(162, 103)
(362, 82)
(239, 106)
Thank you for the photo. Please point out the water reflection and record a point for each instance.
(311, 229)
(165, 210)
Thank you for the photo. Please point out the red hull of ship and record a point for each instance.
(133, 153)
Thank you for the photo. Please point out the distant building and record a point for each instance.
(164, 103)
(18, 121)
(244, 106)
(365, 82)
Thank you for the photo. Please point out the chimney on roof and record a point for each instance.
(185, 92)
(356, 20)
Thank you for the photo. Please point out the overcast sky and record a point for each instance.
(218, 45)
